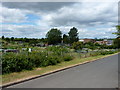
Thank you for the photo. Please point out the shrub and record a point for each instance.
(77, 45)
(52, 60)
(37, 58)
(67, 58)
(107, 52)
(15, 63)
(58, 49)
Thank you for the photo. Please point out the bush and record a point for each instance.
(77, 45)
(67, 58)
(107, 52)
(16, 62)
(58, 49)
(52, 60)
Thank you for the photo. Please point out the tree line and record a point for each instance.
(54, 36)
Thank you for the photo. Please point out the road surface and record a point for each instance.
(98, 74)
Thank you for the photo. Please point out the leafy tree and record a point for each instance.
(12, 38)
(43, 39)
(3, 37)
(54, 36)
(73, 35)
(117, 40)
(118, 31)
(65, 39)
(7, 39)
(26, 39)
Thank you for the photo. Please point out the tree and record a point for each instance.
(73, 35)
(117, 40)
(12, 38)
(118, 31)
(54, 36)
(26, 39)
(65, 39)
(3, 37)
(7, 39)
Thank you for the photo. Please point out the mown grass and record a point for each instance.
(16, 76)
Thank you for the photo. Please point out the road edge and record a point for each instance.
(54, 71)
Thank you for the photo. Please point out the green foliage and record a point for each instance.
(65, 39)
(21, 42)
(73, 35)
(117, 42)
(16, 62)
(53, 60)
(12, 38)
(97, 44)
(90, 45)
(118, 31)
(102, 52)
(54, 36)
(59, 49)
(94, 53)
(77, 45)
(67, 58)
(106, 52)
(3, 37)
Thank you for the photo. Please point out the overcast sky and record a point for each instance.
(35, 19)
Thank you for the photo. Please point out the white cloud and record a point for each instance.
(85, 14)
(82, 15)
(8, 15)
(24, 31)
(97, 33)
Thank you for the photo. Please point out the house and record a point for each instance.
(110, 42)
(101, 42)
(87, 40)
(105, 41)
(81, 40)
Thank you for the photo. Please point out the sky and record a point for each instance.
(35, 19)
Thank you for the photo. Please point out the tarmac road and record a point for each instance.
(102, 73)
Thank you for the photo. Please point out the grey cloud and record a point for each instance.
(37, 6)
(65, 15)
(65, 20)
(89, 17)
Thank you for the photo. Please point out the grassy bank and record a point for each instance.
(17, 76)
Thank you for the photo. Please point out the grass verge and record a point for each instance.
(18, 76)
